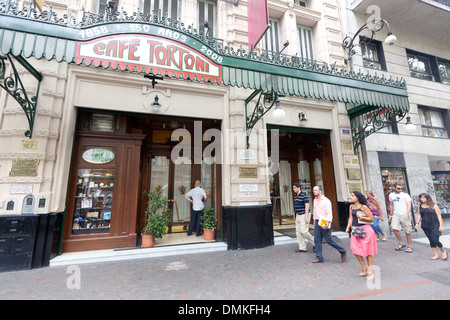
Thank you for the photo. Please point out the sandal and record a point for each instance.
(446, 256)
(400, 246)
(409, 250)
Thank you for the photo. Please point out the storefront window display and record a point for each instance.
(441, 183)
(93, 203)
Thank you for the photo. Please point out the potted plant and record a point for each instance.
(209, 223)
(157, 217)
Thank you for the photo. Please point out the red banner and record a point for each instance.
(258, 20)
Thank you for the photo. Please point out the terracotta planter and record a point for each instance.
(208, 234)
(148, 241)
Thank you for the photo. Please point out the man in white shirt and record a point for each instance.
(400, 218)
(196, 196)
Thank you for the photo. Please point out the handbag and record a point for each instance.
(358, 232)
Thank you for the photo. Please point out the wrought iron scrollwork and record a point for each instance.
(363, 125)
(14, 86)
(266, 101)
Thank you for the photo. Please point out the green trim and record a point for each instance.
(297, 129)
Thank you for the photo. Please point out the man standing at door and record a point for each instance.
(196, 196)
(322, 225)
(301, 217)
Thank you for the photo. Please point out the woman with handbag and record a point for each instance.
(363, 242)
(432, 224)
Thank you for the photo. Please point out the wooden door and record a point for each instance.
(103, 192)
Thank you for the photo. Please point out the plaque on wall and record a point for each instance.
(24, 167)
(353, 174)
(248, 172)
(21, 189)
(29, 144)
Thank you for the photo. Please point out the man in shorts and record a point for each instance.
(400, 218)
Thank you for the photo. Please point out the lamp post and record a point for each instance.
(378, 24)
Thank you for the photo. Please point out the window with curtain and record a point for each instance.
(301, 3)
(432, 123)
(271, 40)
(306, 44)
(166, 8)
(372, 54)
(102, 4)
(207, 12)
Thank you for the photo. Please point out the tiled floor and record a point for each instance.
(182, 238)
(179, 238)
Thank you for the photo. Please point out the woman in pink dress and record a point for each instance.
(364, 246)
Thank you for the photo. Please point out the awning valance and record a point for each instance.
(154, 45)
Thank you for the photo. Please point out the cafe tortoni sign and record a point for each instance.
(149, 53)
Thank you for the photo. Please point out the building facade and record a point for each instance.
(154, 95)
(418, 159)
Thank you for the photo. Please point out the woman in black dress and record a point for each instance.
(432, 225)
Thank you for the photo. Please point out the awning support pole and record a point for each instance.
(14, 86)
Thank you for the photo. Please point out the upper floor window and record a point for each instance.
(428, 67)
(433, 122)
(166, 8)
(101, 5)
(306, 43)
(302, 3)
(271, 40)
(372, 54)
(444, 71)
(207, 18)
(420, 66)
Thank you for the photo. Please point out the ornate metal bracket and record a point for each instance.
(364, 124)
(260, 110)
(349, 42)
(14, 86)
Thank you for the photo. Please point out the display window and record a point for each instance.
(93, 204)
(441, 184)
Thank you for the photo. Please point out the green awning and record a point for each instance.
(43, 35)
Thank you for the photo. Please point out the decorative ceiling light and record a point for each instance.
(156, 104)
(302, 119)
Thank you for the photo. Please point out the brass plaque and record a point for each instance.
(248, 172)
(29, 144)
(353, 174)
(354, 187)
(24, 168)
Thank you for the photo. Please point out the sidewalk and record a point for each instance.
(272, 273)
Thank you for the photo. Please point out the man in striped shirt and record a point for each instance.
(301, 216)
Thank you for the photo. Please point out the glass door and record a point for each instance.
(181, 207)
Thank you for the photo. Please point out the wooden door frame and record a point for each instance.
(326, 160)
(122, 231)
